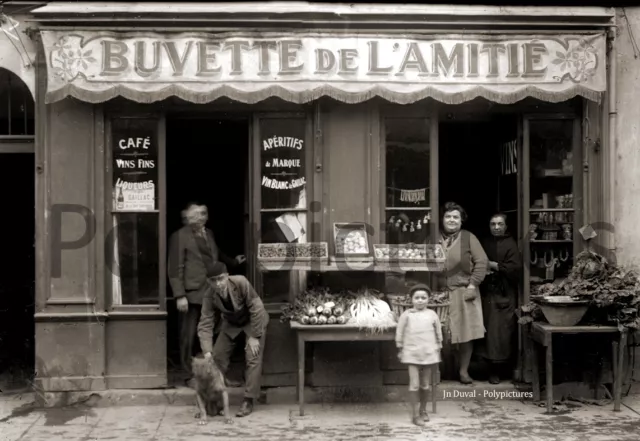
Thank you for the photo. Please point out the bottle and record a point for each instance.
(119, 199)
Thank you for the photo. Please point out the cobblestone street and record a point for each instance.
(455, 420)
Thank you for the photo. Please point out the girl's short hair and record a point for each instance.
(419, 287)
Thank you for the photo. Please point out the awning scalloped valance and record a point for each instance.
(200, 68)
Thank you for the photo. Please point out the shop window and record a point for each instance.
(136, 270)
(16, 106)
(552, 198)
(407, 180)
(134, 211)
(283, 192)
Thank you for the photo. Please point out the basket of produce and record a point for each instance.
(277, 255)
(282, 252)
(424, 255)
(351, 240)
(438, 301)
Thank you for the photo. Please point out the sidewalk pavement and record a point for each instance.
(480, 420)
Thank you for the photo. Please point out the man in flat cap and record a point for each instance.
(242, 312)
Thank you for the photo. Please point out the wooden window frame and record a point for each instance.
(161, 212)
(297, 279)
(431, 118)
(577, 180)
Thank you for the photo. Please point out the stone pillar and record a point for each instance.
(69, 288)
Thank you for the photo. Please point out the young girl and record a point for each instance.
(419, 341)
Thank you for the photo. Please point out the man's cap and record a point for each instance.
(218, 269)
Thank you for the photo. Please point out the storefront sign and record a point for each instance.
(299, 68)
(283, 177)
(135, 160)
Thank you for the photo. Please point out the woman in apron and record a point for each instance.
(465, 269)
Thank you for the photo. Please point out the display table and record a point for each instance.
(326, 333)
(542, 333)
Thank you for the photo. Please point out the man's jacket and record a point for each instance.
(186, 266)
(247, 313)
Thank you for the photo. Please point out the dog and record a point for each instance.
(210, 390)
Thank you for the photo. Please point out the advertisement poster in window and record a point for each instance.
(135, 160)
(283, 147)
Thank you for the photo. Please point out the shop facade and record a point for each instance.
(284, 134)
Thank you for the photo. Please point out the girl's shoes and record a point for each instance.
(420, 420)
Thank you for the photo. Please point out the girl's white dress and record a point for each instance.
(419, 334)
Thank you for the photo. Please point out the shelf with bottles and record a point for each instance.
(552, 222)
(404, 226)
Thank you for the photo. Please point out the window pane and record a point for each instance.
(407, 162)
(135, 159)
(283, 152)
(275, 286)
(403, 227)
(16, 106)
(407, 213)
(135, 270)
(551, 163)
(281, 227)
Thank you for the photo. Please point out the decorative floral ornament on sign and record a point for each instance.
(70, 61)
(580, 60)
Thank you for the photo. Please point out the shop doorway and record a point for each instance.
(470, 170)
(479, 170)
(17, 286)
(207, 160)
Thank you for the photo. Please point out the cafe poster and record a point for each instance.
(135, 161)
(283, 178)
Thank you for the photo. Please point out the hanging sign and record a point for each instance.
(415, 196)
(135, 160)
(97, 66)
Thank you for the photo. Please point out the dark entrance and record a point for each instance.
(207, 161)
(17, 285)
(478, 170)
(470, 170)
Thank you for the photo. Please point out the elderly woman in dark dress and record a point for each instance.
(465, 269)
(499, 296)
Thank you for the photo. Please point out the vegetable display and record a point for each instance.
(612, 290)
(409, 252)
(318, 306)
(370, 312)
(291, 250)
(363, 308)
(353, 243)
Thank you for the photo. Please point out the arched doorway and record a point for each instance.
(17, 258)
